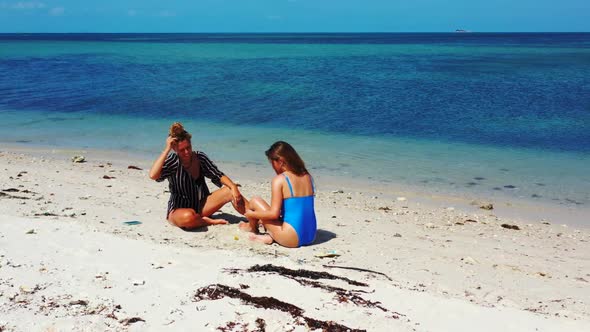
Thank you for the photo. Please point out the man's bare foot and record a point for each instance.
(245, 227)
(211, 221)
(262, 238)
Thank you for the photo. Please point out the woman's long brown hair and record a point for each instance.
(285, 151)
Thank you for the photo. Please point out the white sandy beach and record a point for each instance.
(69, 263)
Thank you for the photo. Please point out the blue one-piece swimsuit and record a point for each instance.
(299, 213)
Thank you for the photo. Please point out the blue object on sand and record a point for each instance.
(133, 222)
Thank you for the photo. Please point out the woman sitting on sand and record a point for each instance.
(191, 203)
(290, 219)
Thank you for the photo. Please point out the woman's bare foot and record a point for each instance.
(245, 227)
(262, 238)
(211, 221)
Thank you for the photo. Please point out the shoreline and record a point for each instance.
(535, 177)
(64, 240)
(505, 206)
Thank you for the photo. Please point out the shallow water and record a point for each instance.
(547, 176)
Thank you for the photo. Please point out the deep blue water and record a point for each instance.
(523, 90)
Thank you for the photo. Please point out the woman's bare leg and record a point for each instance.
(219, 198)
(262, 238)
(190, 219)
(279, 231)
(255, 204)
(214, 202)
(186, 219)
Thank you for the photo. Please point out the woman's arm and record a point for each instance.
(276, 202)
(235, 192)
(156, 169)
(211, 171)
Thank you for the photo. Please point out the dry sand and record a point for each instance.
(69, 263)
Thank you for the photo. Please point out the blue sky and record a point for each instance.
(293, 15)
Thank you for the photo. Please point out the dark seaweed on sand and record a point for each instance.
(218, 291)
(300, 273)
(303, 277)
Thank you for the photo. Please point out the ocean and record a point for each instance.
(484, 113)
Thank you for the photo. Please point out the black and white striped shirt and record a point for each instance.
(186, 191)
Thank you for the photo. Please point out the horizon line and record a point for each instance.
(458, 31)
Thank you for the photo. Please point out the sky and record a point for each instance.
(294, 15)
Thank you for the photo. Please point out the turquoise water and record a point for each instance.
(493, 114)
(432, 166)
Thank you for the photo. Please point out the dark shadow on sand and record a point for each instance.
(323, 236)
(196, 230)
(231, 218)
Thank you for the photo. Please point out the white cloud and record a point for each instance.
(57, 11)
(22, 5)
